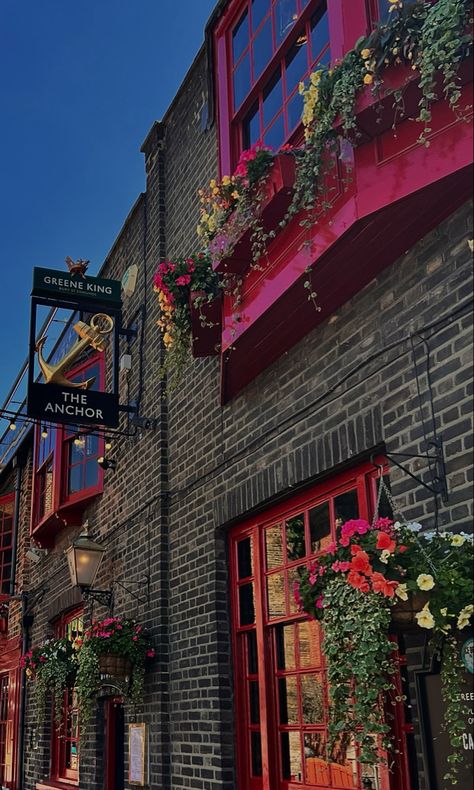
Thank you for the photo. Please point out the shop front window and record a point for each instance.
(281, 684)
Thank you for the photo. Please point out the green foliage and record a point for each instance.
(51, 667)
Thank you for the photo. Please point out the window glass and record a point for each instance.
(276, 595)
(274, 547)
(319, 33)
(295, 545)
(288, 699)
(285, 646)
(346, 506)
(256, 754)
(309, 643)
(296, 66)
(247, 604)
(241, 81)
(6, 531)
(312, 699)
(254, 702)
(252, 654)
(251, 127)
(320, 527)
(384, 9)
(291, 756)
(272, 98)
(262, 49)
(275, 135)
(295, 111)
(240, 37)
(260, 9)
(286, 14)
(244, 557)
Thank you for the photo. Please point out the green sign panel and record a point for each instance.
(77, 288)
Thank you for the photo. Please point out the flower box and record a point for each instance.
(231, 249)
(206, 324)
(115, 666)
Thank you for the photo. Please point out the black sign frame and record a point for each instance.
(98, 408)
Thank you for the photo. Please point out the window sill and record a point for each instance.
(52, 784)
(67, 514)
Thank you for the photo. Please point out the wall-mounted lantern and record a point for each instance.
(84, 558)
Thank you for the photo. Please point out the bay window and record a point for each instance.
(281, 689)
(66, 472)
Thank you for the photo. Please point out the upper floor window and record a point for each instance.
(273, 46)
(65, 743)
(66, 468)
(6, 545)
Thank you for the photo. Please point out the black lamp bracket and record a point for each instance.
(102, 597)
(144, 582)
(434, 457)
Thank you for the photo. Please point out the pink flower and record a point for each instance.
(297, 596)
(313, 577)
(241, 170)
(138, 629)
(150, 653)
(184, 279)
(384, 524)
(332, 548)
(319, 602)
(340, 566)
(42, 660)
(135, 638)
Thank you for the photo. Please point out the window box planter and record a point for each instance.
(206, 324)
(231, 249)
(115, 666)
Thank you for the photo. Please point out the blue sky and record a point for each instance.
(81, 83)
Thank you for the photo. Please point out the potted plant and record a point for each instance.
(51, 667)
(114, 649)
(355, 588)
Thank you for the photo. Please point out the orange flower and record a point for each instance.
(382, 585)
(358, 581)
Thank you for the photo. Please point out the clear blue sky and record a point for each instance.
(81, 82)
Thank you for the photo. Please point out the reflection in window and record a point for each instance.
(296, 66)
(252, 655)
(260, 9)
(288, 694)
(240, 37)
(251, 127)
(276, 595)
(319, 32)
(343, 763)
(295, 545)
(272, 98)
(291, 756)
(256, 754)
(320, 527)
(286, 15)
(262, 49)
(309, 640)
(316, 765)
(254, 704)
(274, 547)
(241, 81)
(244, 557)
(346, 506)
(246, 604)
(312, 699)
(275, 136)
(295, 110)
(285, 646)
(294, 577)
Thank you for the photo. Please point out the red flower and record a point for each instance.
(384, 541)
(402, 549)
(382, 585)
(358, 581)
(360, 562)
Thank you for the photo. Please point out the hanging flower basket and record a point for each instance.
(404, 613)
(116, 666)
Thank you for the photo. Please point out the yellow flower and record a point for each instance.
(235, 194)
(368, 79)
(465, 616)
(444, 612)
(394, 2)
(365, 54)
(301, 88)
(225, 181)
(315, 78)
(384, 556)
(458, 540)
(425, 581)
(424, 618)
(199, 230)
(167, 339)
(215, 191)
(28, 672)
(402, 592)
(213, 183)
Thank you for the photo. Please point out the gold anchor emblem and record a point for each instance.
(91, 335)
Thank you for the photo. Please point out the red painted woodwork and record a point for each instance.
(65, 508)
(205, 339)
(276, 199)
(10, 675)
(277, 650)
(399, 191)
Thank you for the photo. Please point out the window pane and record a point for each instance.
(275, 136)
(244, 558)
(272, 98)
(240, 37)
(296, 65)
(312, 699)
(285, 646)
(273, 547)
(344, 764)
(384, 10)
(247, 605)
(316, 765)
(320, 527)
(319, 32)
(252, 655)
(256, 754)
(309, 643)
(346, 506)
(251, 127)
(254, 704)
(92, 474)
(291, 756)
(260, 9)
(295, 545)
(241, 81)
(262, 49)
(74, 483)
(286, 15)
(288, 700)
(295, 111)
(276, 595)
(294, 577)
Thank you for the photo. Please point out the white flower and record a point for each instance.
(444, 612)
(424, 618)
(402, 592)
(458, 540)
(413, 526)
(384, 556)
(425, 581)
(428, 536)
(465, 616)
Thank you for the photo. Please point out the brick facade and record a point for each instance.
(346, 390)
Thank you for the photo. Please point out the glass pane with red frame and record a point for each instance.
(294, 111)
(83, 469)
(320, 527)
(315, 759)
(272, 98)
(262, 48)
(286, 14)
(296, 65)
(6, 531)
(346, 507)
(256, 749)
(319, 35)
(251, 127)
(291, 763)
(260, 9)
(276, 595)
(285, 646)
(312, 699)
(274, 137)
(244, 557)
(288, 700)
(247, 604)
(295, 542)
(240, 37)
(241, 81)
(309, 644)
(274, 546)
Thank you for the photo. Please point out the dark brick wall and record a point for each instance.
(348, 388)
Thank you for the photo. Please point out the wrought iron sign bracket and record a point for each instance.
(102, 597)
(144, 582)
(436, 463)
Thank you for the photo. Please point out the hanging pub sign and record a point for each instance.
(62, 386)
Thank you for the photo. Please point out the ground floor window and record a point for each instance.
(3, 726)
(281, 689)
(65, 742)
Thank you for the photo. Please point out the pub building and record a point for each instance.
(288, 422)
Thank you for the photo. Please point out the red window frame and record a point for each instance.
(346, 22)
(6, 542)
(4, 723)
(55, 461)
(262, 681)
(65, 741)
